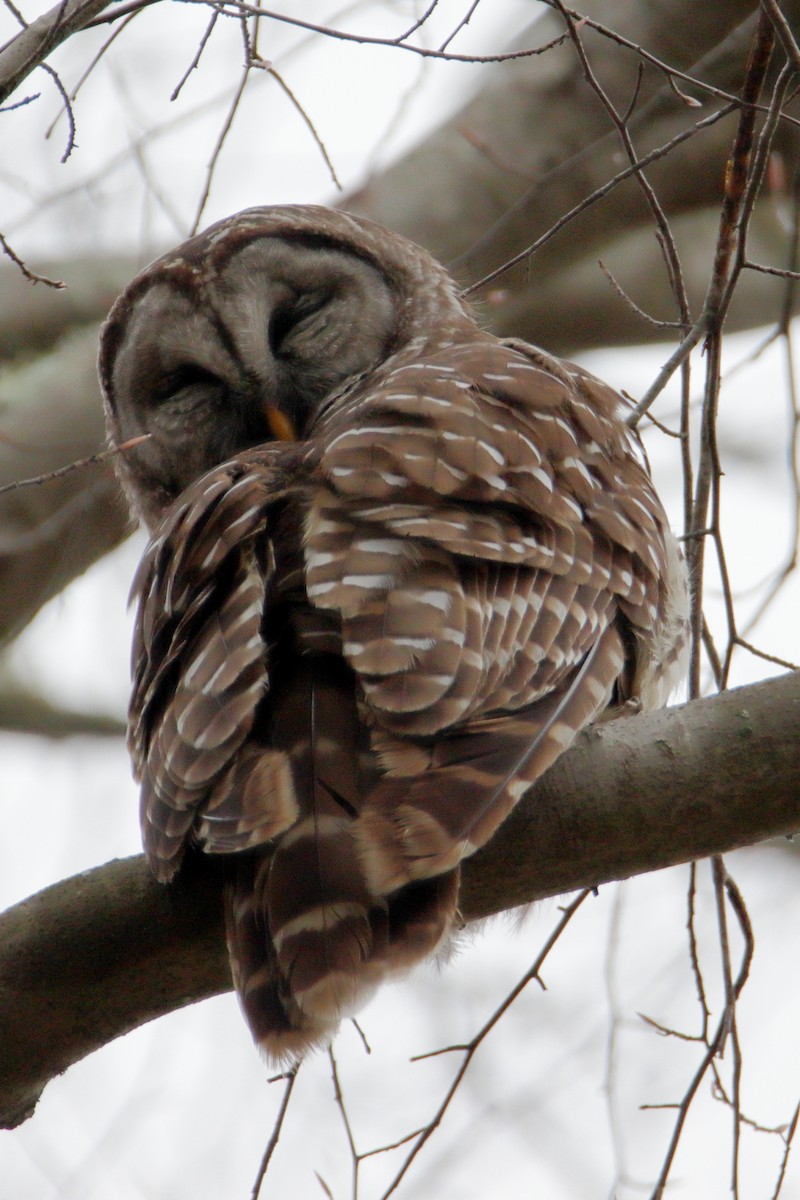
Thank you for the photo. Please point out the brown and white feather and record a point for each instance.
(356, 648)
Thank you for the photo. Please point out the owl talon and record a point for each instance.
(629, 708)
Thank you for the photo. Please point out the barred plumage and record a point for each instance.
(396, 565)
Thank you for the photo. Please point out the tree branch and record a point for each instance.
(97, 955)
(33, 319)
(51, 413)
(533, 144)
(32, 45)
(24, 711)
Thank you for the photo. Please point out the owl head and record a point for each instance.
(248, 331)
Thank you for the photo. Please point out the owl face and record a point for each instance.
(244, 332)
(248, 355)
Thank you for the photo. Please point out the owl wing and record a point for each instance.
(244, 733)
(484, 546)
(490, 538)
(200, 670)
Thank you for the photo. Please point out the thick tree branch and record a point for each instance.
(50, 414)
(32, 45)
(95, 956)
(34, 319)
(535, 142)
(24, 711)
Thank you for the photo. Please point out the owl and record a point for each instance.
(396, 565)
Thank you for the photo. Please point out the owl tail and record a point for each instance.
(335, 971)
(309, 942)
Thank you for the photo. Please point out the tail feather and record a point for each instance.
(420, 917)
(309, 941)
(328, 932)
(286, 1023)
(278, 1028)
(366, 880)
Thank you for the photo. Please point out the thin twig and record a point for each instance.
(783, 272)
(668, 70)
(675, 360)
(106, 46)
(623, 295)
(26, 271)
(464, 21)
(209, 29)
(736, 204)
(79, 465)
(683, 1110)
(697, 973)
(729, 1013)
(420, 21)
(291, 1080)
(788, 663)
(361, 1034)
(270, 70)
(233, 8)
(227, 125)
(784, 31)
(62, 91)
(470, 1048)
(784, 1161)
(663, 232)
(598, 194)
(668, 1031)
(355, 1157)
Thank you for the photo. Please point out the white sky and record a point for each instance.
(181, 1107)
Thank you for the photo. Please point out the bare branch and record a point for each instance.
(62, 91)
(309, 124)
(32, 45)
(632, 171)
(469, 1050)
(291, 1078)
(23, 711)
(91, 460)
(632, 795)
(238, 8)
(30, 275)
(784, 1162)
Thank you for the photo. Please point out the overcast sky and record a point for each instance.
(182, 1107)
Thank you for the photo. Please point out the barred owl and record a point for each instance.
(396, 565)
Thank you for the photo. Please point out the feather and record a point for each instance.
(405, 563)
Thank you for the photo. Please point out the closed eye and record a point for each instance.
(183, 378)
(292, 319)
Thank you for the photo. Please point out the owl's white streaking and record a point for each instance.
(396, 565)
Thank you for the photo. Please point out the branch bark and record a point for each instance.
(34, 319)
(23, 711)
(31, 46)
(97, 955)
(50, 414)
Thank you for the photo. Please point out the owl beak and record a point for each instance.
(282, 428)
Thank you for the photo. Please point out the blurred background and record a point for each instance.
(573, 1094)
